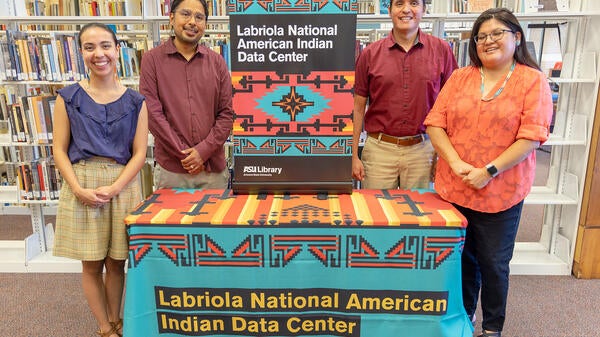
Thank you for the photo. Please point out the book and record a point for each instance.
(3, 107)
(79, 58)
(28, 123)
(39, 70)
(42, 179)
(24, 59)
(60, 56)
(73, 51)
(48, 109)
(55, 180)
(54, 60)
(5, 123)
(14, 131)
(36, 191)
(37, 114)
(7, 62)
(548, 5)
(478, 6)
(129, 62)
(2, 65)
(44, 46)
(164, 7)
(122, 62)
(25, 179)
(18, 121)
(15, 57)
(54, 8)
(68, 66)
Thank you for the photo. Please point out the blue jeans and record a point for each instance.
(489, 244)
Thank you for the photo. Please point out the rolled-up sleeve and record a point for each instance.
(538, 110)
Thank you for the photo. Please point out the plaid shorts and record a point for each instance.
(91, 234)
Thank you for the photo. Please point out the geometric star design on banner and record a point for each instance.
(293, 103)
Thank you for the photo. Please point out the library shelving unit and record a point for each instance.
(31, 254)
(560, 194)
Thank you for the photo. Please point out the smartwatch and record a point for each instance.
(492, 170)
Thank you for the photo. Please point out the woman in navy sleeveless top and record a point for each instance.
(100, 140)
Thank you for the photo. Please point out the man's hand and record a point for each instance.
(192, 163)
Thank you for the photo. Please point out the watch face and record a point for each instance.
(492, 170)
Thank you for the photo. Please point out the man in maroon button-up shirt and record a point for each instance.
(400, 76)
(188, 94)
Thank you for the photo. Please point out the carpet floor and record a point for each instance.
(52, 305)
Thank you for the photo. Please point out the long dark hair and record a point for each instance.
(507, 18)
(176, 4)
(97, 25)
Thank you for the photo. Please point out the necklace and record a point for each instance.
(103, 96)
(512, 67)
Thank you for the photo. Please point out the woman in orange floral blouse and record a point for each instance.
(485, 126)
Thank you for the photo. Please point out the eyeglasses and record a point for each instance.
(186, 15)
(495, 36)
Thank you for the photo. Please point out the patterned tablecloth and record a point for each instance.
(371, 263)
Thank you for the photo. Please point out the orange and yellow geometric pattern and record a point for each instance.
(360, 208)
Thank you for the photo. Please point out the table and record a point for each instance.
(373, 263)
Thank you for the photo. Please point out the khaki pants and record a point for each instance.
(204, 180)
(389, 166)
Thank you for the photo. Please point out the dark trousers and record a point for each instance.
(489, 244)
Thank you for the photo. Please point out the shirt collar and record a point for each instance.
(390, 42)
(171, 49)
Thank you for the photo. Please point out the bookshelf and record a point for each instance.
(560, 194)
(26, 152)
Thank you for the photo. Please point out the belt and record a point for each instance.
(400, 141)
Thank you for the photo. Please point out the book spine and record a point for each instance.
(67, 58)
(40, 166)
(32, 119)
(60, 53)
(48, 108)
(36, 191)
(56, 73)
(19, 122)
(27, 120)
(8, 64)
(3, 64)
(25, 59)
(73, 58)
(16, 57)
(14, 129)
(47, 61)
(40, 64)
(26, 181)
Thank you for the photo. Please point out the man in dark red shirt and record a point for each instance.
(399, 77)
(188, 94)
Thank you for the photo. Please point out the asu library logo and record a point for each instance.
(265, 171)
